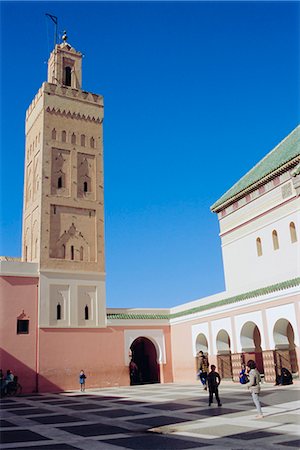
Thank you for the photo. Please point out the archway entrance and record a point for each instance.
(144, 355)
(285, 352)
(201, 345)
(251, 345)
(224, 354)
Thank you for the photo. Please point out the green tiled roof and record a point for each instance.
(284, 152)
(227, 301)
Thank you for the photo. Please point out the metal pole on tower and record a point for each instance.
(55, 21)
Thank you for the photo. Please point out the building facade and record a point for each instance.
(53, 299)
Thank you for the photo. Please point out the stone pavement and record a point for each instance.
(157, 416)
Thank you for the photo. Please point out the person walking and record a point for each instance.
(243, 376)
(213, 381)
(254, 386)
(203, 368)
(82, 378)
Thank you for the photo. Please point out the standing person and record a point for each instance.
(213, 381)
(133, 373)
(82, 378)
(254, 386)
(203, 368)
(243, 376)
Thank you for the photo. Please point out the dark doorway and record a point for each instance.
(144, 355)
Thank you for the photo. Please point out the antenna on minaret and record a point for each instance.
(55, 21)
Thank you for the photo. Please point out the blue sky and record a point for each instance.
(195, 94)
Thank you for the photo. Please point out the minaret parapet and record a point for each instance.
(77, 94)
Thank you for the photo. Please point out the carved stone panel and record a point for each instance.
(72, 234)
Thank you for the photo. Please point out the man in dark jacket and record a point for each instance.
(213, 381)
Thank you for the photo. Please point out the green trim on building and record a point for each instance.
(285, 151)
(227, 301)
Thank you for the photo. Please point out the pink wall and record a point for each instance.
(18, 351)
(99, 352)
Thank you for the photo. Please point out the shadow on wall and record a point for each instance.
(28, 378)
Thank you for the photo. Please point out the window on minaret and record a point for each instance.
(59, 183)
(275, 240)
(58, 311)
(82, 140)
(258, 247)
(63, 251)
(85, 186)
(72, 252)
(293, 232)
(68, 76)
(63, 136)
(92, 142)
(73, 138)
(53, 134)
(81, 253)
(86, 312)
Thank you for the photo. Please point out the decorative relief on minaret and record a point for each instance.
(86, 176)
(72, 235)
(60, 172)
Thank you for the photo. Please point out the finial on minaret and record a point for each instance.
(64, 36)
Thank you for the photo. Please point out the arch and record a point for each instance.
(258, 246)
(201, 343)
(68, 75)
(251, 344)
(285, 352)
(283, 334)
(73, 138)
(144, 355)
(223, 342)
(63, 136)
(275, 240)
(293, 232)
(82, 140)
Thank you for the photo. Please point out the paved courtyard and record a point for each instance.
(166, 417)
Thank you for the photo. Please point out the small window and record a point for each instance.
(92, 142)
(22, 326)
(59, 183)
(81, 253)
(64, 136)
(54, 134)
(58, 311)
(258, 247)
(293, 232)
(54, 209)
(85, 186)
(68, 76)
(35, 248)
(82, 140)
(86, 312)
(73, 138)
(72, 252)
(275, 240)
(63, 251)
(26, 253)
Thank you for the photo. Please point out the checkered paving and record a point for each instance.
(166, 417)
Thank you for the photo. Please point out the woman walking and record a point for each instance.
(254, 386)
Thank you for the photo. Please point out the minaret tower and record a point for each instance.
(63, 214)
